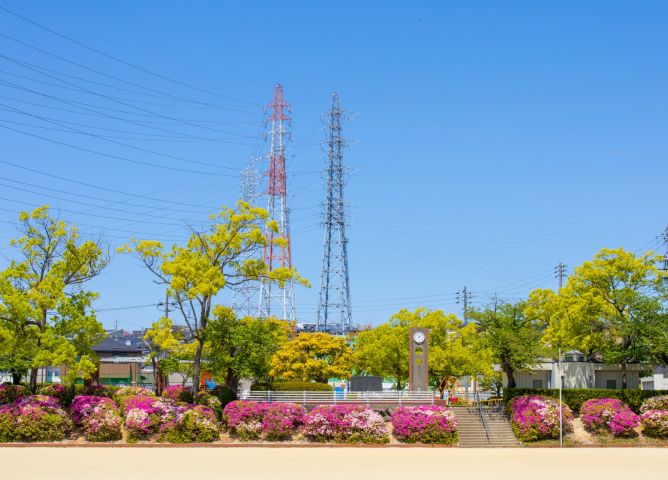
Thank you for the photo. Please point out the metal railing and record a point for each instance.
(339, 397)
(481, 411)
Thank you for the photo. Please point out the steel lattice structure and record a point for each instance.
(274, 300)
(244, 299)
(334, 309)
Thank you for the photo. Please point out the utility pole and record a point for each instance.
(560, 271)
(334, 309)
(664, 266)
(464, 296)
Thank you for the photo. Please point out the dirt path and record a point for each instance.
(330, 463)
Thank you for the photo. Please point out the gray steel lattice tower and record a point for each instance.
(244, 299)
(334, 309)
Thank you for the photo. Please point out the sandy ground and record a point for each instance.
(330, 463)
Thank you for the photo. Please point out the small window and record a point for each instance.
(611, 384)
(537, 384)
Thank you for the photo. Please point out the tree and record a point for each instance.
(42, 300)
(213, 259)
(313, 356)
(514, 339)
(453, 350)
(168, 353)
(614, 305)
(242, 347)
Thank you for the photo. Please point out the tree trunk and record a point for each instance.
(624, 375)
(510, 374)
(198, 357)
(159, 380)
(232, 382)
(33, 380)
(16, 377)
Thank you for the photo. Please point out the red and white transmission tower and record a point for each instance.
(274, 300)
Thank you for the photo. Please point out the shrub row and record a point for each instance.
(425, 424)
(535, 417)
(99, 418)
(654, 417)
(292, 387)
(575, 397)
(33, 418)
(609, 415)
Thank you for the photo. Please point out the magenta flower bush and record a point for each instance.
(63, 393)
(425, 424)
(178, 394)
(97, 391)
(655, 423)
(35, 418)
(655, 403)
(344, 424)
(271, 421)
(609, 415)
(99, 418)
(208, 400)
(536, 417)
(132, 392)
(196, 423)
(12, 393)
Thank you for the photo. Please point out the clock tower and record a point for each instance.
(418, 371)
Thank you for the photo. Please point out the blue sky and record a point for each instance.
(492, 140)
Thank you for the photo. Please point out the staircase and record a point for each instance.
(472, 431)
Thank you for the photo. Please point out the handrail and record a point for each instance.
(482, 415)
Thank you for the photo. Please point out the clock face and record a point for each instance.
(418, 337)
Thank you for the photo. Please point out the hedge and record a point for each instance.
(292, 387)
(575, 397)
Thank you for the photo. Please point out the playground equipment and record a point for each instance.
(204, 378)
(456, 394)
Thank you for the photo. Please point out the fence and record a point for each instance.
(124, 380)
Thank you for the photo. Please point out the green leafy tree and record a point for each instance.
(168, 352)
(43, 304)
(214, 258)
(514, 338)
(242, 347)
(313, 356)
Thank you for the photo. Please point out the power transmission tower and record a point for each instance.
(274, 300)
(244, 298)
(334, 309)
(560, 271)
(464, 296)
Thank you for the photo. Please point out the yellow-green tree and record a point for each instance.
(169, 353)
(43, 303)
(313, 356)
(214, 258)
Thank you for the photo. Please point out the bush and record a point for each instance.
(655, 403)
(97, 391)
(178, 394)
(224, 394)
(196, 424)
(292, 387)
(535, 417)
(575, 397)
(12, 393)
(252, 420)
(132, 392)
(33, 419)
(345, 424)
(425, 424)
(655, 423)
(63, 393)
(208, 400)
(99, 418)
(145, 415)
(609, 415)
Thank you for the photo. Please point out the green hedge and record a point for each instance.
(292, 387)
(575, 397)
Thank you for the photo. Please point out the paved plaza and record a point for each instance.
(35, 463)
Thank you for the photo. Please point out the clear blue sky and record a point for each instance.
(493, 140)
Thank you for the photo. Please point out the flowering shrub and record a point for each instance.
(34, 419)
(196, 423)
(536, 417)
(609, 415)
(223, 393)
(208, 400)
(145, 415)
(655, 403)
(425, 424)
(132, 392)
(99, 418)
(345, 424)
(12, 393)
(97, 391)
(63, 393)
(251, 420)
(178, 394)
(655, 423)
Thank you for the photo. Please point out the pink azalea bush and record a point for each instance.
(178, 394)
(36, 418)
(208, 400)
(655, 403)
(12, 393)
(344, 424)
(535, 417)
(196, 423)
(655, 423)
(425, 424)
(609, 415)
(132, 392)
(99, 418)
(97, 391)
(63, 393)
(271, 421)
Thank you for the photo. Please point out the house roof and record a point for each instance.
(109, 345)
